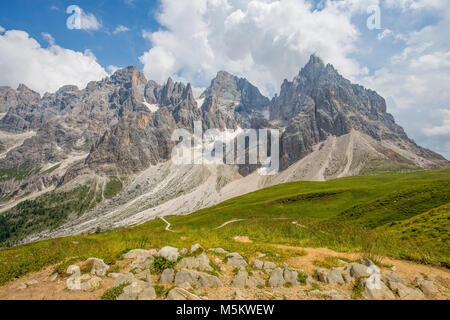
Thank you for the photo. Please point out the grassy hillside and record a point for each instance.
(350, 214)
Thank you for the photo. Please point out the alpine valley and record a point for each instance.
(79, 161)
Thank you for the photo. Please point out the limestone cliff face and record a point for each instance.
(319, 103)
(124, 122)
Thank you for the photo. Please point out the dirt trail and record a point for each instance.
(168, 224)
(227, 223)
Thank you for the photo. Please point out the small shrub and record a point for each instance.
(113, 293)
(161, 264)
(87, 267)
(62, 267)
(214, 266)
(302, 278)
(357, 290)
(160, 290)
(288, 285)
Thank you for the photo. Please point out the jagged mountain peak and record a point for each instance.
(130, 75)
(316, 70)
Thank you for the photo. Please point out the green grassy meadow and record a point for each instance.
(397, 215)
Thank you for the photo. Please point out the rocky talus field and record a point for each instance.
(216, 274)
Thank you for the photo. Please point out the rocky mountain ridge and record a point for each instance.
(120, 128)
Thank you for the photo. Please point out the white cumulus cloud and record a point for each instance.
(120, 29)
(265, 41)
(81, 20)
(23, 60)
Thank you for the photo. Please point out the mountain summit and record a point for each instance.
(112, 141)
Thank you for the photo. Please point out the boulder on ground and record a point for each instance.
(276, 278)
(168, 253)
(134, 290)
(208, 281)
(73, 269)
(330, 276)
(196, 247)
(404, 292)
(143, 262)
(376, 290)
(167, 276)
(123, 278)
(133, 254)
(201, 263)
(269, 265)
(428, 288)
(236, 260)
(181, 294)
(99, 267)
(291, 276)
(258, 264)
(147, 294)
(358, 270)
(186, 276)
(218, 250)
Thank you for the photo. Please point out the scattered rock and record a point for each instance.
(358, 270)
(201, 263)
(376, 291)
(134, 290)
(258, 264)
(240, 279)
(332, 276)
(147, 294)
(184, 251)
(143, 262)
(145, 276)
(53, 277)
(91, 283)
(186, 276)
(243, 239)
(168, 253)
(167, 276)
(310, 280)
(291, 276)
(428, 288)
(269, 265)
(181, 294)
(394, 277)
(276, 278)
(367, 262)
(123, 278)
(73, 269)
(235, 259)
(185, 286)
(219, 250)
(133, 254)
(243, 279)
(239, 295)
(22, 286)
(404, 292)
(209, 281)
(99, 267)
(196, 247)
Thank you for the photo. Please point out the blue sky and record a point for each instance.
(407, 60)
(123, 49)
